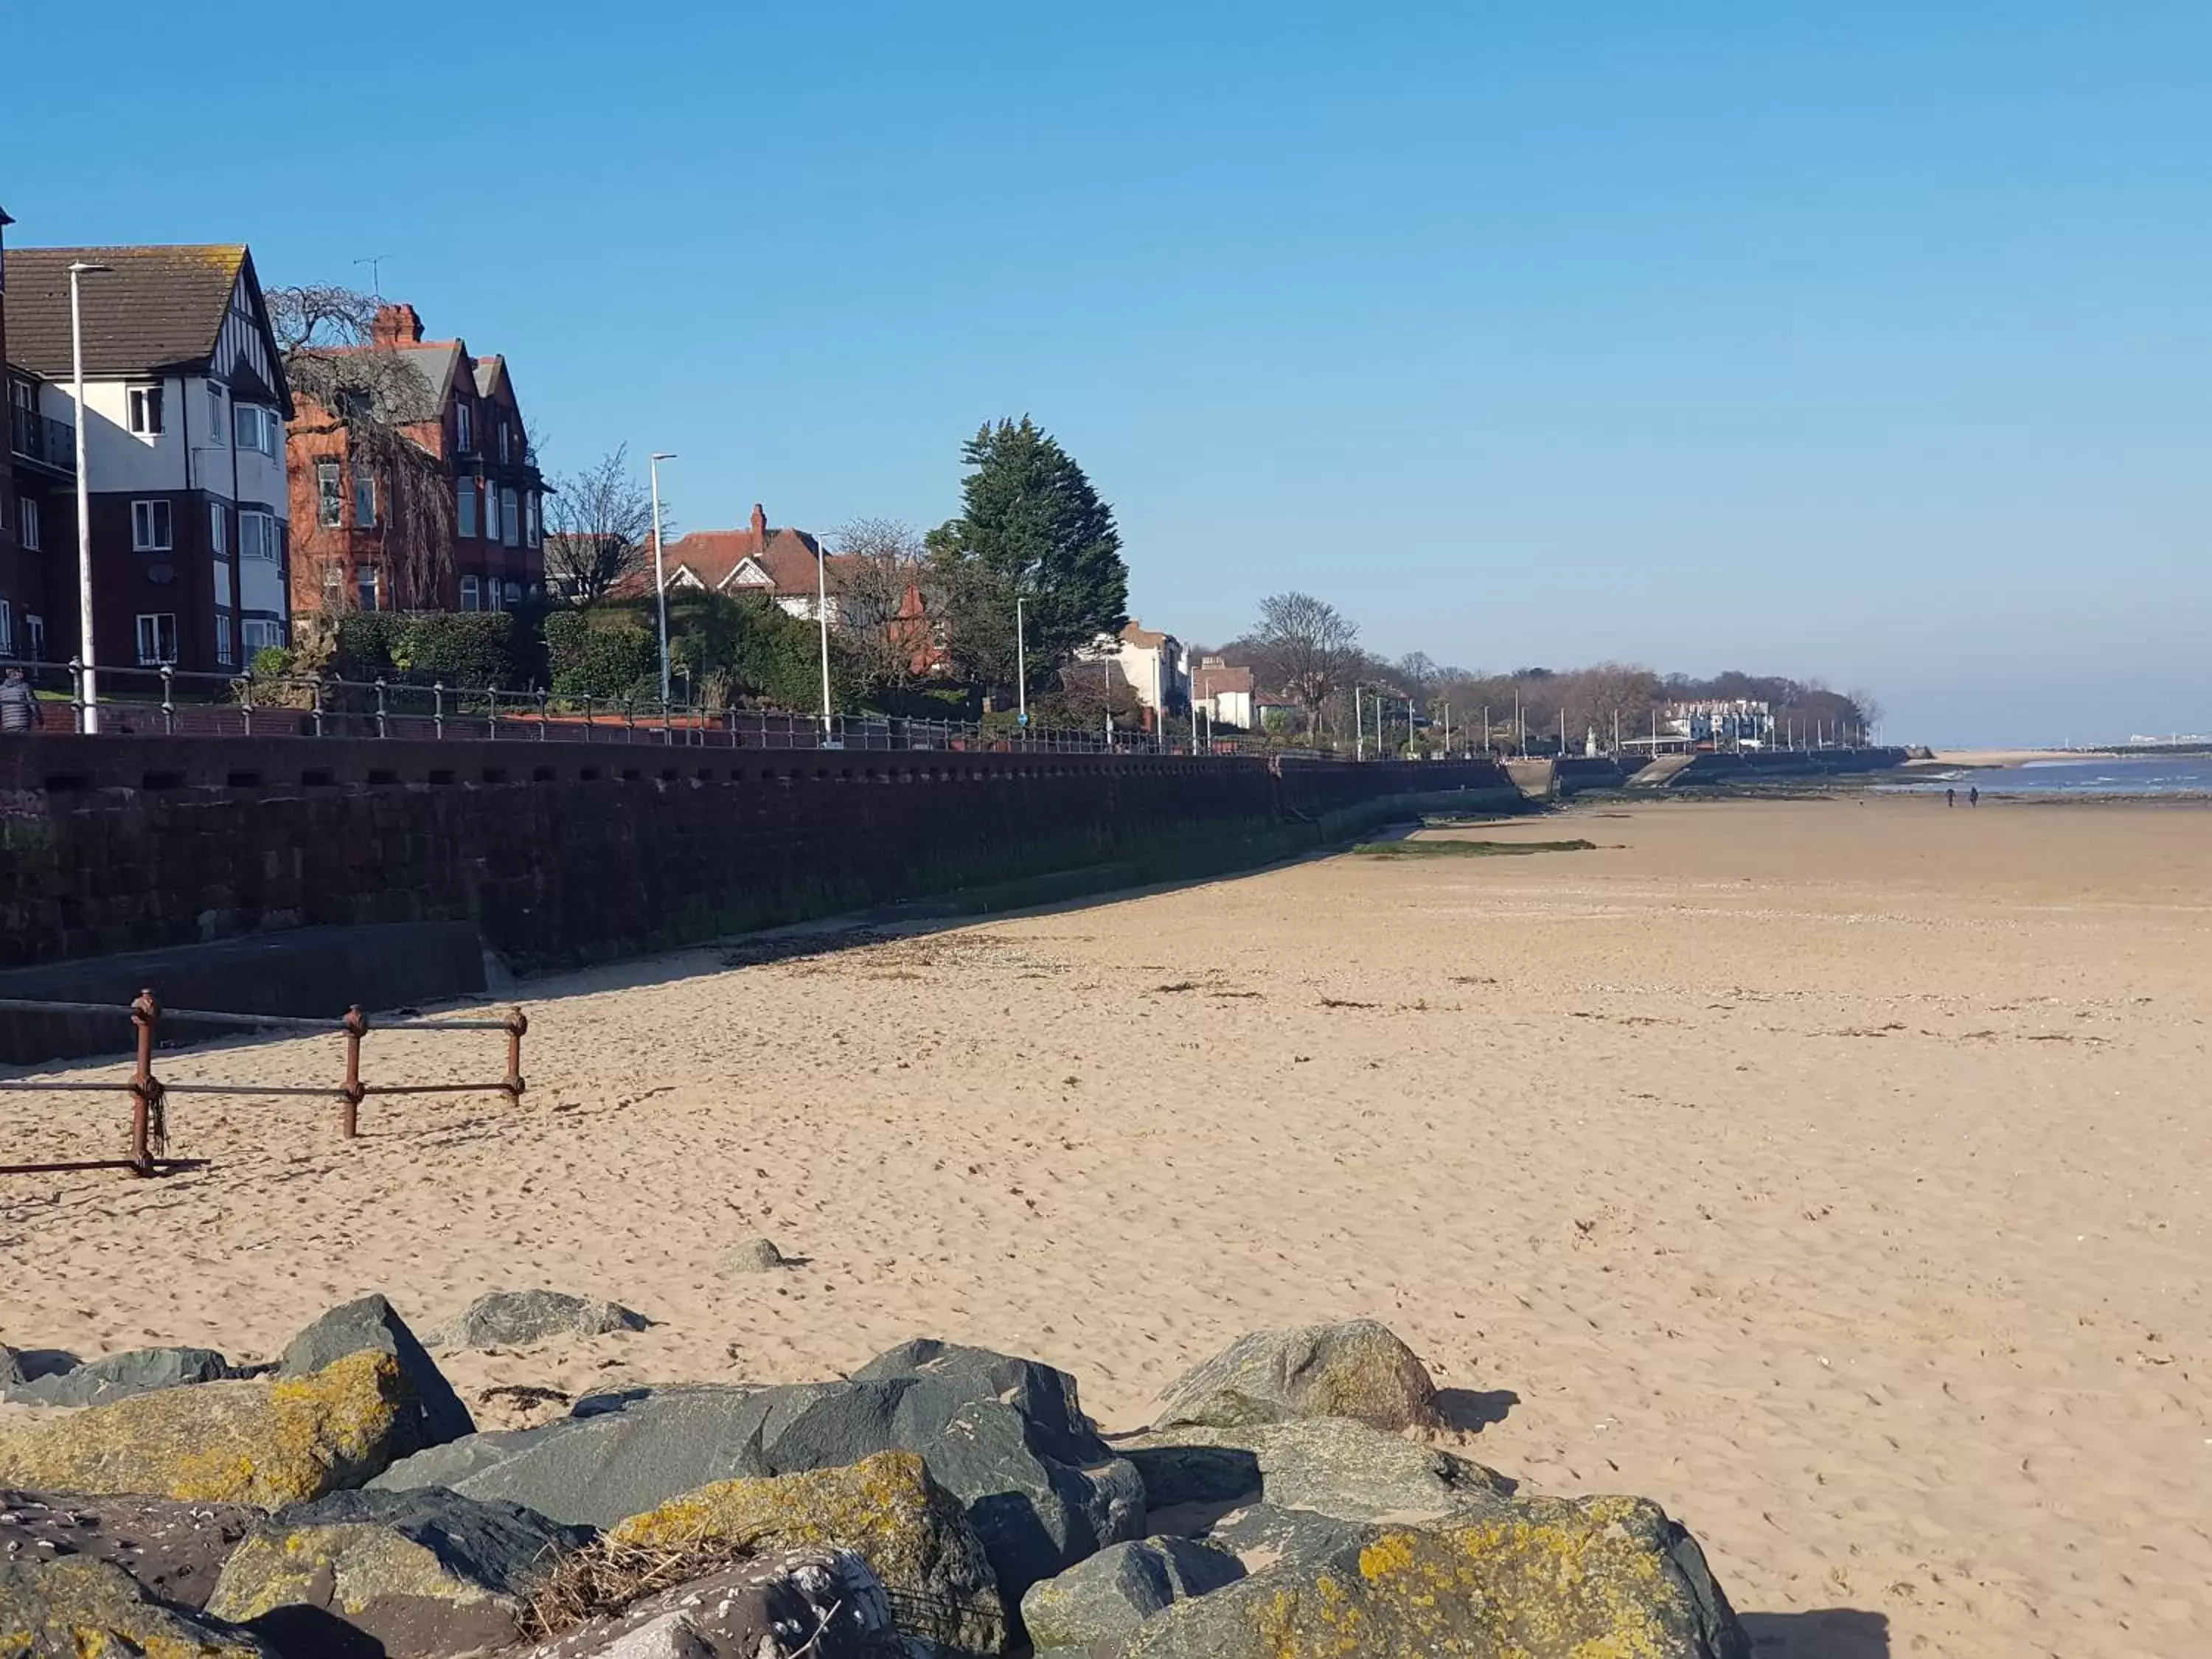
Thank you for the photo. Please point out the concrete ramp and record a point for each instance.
(1663, 771)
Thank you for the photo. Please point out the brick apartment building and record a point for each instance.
(186, 402)
(364, 539)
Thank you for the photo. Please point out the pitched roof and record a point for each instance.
(786, 556)
(156, 307)
(1145, 638)
(1219, 682)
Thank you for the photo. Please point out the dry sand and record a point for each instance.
(1833, 1171)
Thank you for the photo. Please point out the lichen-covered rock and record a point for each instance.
(821, 1604)
(1108, 1596)
(1357, 1369)
(139, 1370)
(267, 1444)
(1590, 1578)
(885, 1508)
(1331, 1464)
(414, 1573)
(372, 1324)
(511, 1317)
(171, 1550)
(88, 1609)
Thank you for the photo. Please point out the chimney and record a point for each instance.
(396, 325)
(760, 524)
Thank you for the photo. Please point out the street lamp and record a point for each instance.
(659, 576)
(1021, 668)
(822, 615)
(91, 689)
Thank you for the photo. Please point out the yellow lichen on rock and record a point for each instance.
(255, 1442)
(90, 1610)
(884, 1509)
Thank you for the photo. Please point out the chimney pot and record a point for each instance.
(396, 325)
(759, 523)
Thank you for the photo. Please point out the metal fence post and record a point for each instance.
(383, 724)
(76, 691)
(315, 690)
(168, 699)
(245, 683)
(438, 709)
(544, 714)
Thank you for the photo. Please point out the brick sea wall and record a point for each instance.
(562, 853)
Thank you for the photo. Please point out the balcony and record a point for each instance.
(41, 441)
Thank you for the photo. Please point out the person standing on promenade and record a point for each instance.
(17, 714)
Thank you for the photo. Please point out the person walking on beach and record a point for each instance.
(1974, 795)
(1950, 797)
(17, 712)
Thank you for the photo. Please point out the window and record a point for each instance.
(364, 582)
(333, 584)
(330, 506)
(464, 505)
(157, 639)
(471, 594)
(218, 542)
(364, 495)
(503, 434)
(258, 537)
(532, 528)
(146, 410)
(510, 517)
(27, 521)
(513, 595)
(149, 527)
(261, 635)
(464, 440)
(224, 655)
(7, 629)
(491, 513)
(259, 429)
(215, 405)
(34, 638)
(491, 594)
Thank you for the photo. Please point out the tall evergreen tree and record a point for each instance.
(1032, 527)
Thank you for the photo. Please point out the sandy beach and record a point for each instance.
(1833, 1171)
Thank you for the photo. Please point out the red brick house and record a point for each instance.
(457, 523)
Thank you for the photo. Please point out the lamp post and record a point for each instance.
(1359, 726)
(1021, 667)
(822, 615)
(90, 692)
(659, 576)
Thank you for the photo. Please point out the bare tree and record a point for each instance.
(1306, 647)
(599, 528)
(883, 591)
(343, 380)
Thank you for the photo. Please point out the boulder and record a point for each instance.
(11, 1368)
(87, 1608)
(913, 1535)
(1005, 1436)
(1550, 1579)
(1357, 1369)
(821, 1604)
(267, 1444)
(171, 1550)
(1264, 1535)
(1331, 1464)
(371, 1325)
(413, 1573)
(752, 1255)
(137, 1371)
(509, 1318)
(1108, 1596)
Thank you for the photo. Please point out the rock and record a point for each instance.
(912, 1533)
(1005, 1436)
(11, 1368)
(821, 1604)
(88, 1609)
(413, 1573)
(171, 1550)
(752, 1255)
(1357, 1369)
(1263, 1535)
(370, 1325)
(1331, 1464)
(267, 1444)
(1106, 1597)
(137, 1371)
(625, 1455)
(1550, 1579)
(505, 1318)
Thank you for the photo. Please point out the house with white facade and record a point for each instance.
(1225, 693)
(1154, 665)
(185, 407)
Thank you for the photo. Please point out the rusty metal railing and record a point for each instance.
(149, 1094)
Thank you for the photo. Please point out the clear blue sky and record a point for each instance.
(1870, 339)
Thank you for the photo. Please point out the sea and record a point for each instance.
(2184, 776)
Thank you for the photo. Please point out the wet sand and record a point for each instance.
(1833, 1171)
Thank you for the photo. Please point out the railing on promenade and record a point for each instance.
(162, 701)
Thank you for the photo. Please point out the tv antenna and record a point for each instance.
(375, 263)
